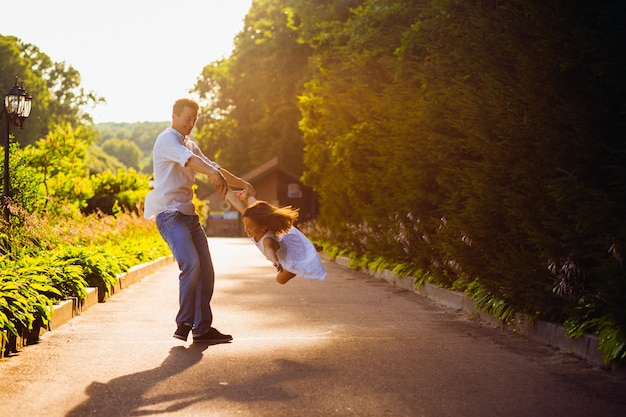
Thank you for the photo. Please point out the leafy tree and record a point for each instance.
(251, 112)
(354, 118)
(59, 159)
(69, 102)
(55, 87)
(13, 62)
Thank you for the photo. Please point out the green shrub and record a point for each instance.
(47, 259)
(61, 274)
(25, 297)
(100, 268)
(123, 191)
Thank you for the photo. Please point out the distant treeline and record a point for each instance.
(130, 143)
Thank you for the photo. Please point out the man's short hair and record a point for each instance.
(181, 103)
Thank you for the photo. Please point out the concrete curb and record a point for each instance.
(585, 347)
(66, 310)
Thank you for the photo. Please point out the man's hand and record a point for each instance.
(219, 182)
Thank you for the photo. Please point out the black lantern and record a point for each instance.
(17, 106)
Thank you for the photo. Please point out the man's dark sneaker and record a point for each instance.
(182, 332)
(212, 336)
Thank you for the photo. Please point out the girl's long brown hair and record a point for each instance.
(277, 219)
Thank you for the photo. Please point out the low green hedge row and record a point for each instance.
(33, 281)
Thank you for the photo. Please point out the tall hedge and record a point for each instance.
(481, 142)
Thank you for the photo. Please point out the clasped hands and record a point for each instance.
(219, 182)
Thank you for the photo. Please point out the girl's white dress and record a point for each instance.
(296, 254)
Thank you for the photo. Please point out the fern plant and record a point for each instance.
(489, 303)
(100, 268)
(59, 274)
(612, 339)
(24, 301)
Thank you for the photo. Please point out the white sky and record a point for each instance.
(140, 55)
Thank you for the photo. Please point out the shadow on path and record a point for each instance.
(159, 391)
(124, 396)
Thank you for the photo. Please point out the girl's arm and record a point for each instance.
(238, 199)
(235, 181)
(271, 246)
(232, 198)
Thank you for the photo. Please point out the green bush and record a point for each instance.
(100, 267)
(64, 275)
(25, 298)
(123, 191)
(47, 259)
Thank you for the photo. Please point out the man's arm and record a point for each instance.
(215, 176)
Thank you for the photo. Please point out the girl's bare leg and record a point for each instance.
(284, 276)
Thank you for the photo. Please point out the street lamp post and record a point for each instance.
(17, 105)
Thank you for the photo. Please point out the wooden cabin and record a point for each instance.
(272, 182)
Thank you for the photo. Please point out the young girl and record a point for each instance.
(272, 230)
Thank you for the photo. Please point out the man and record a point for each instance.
(176, 159)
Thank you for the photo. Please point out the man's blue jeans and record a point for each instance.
(188, 242)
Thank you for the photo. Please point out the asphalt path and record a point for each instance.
(349, 346)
